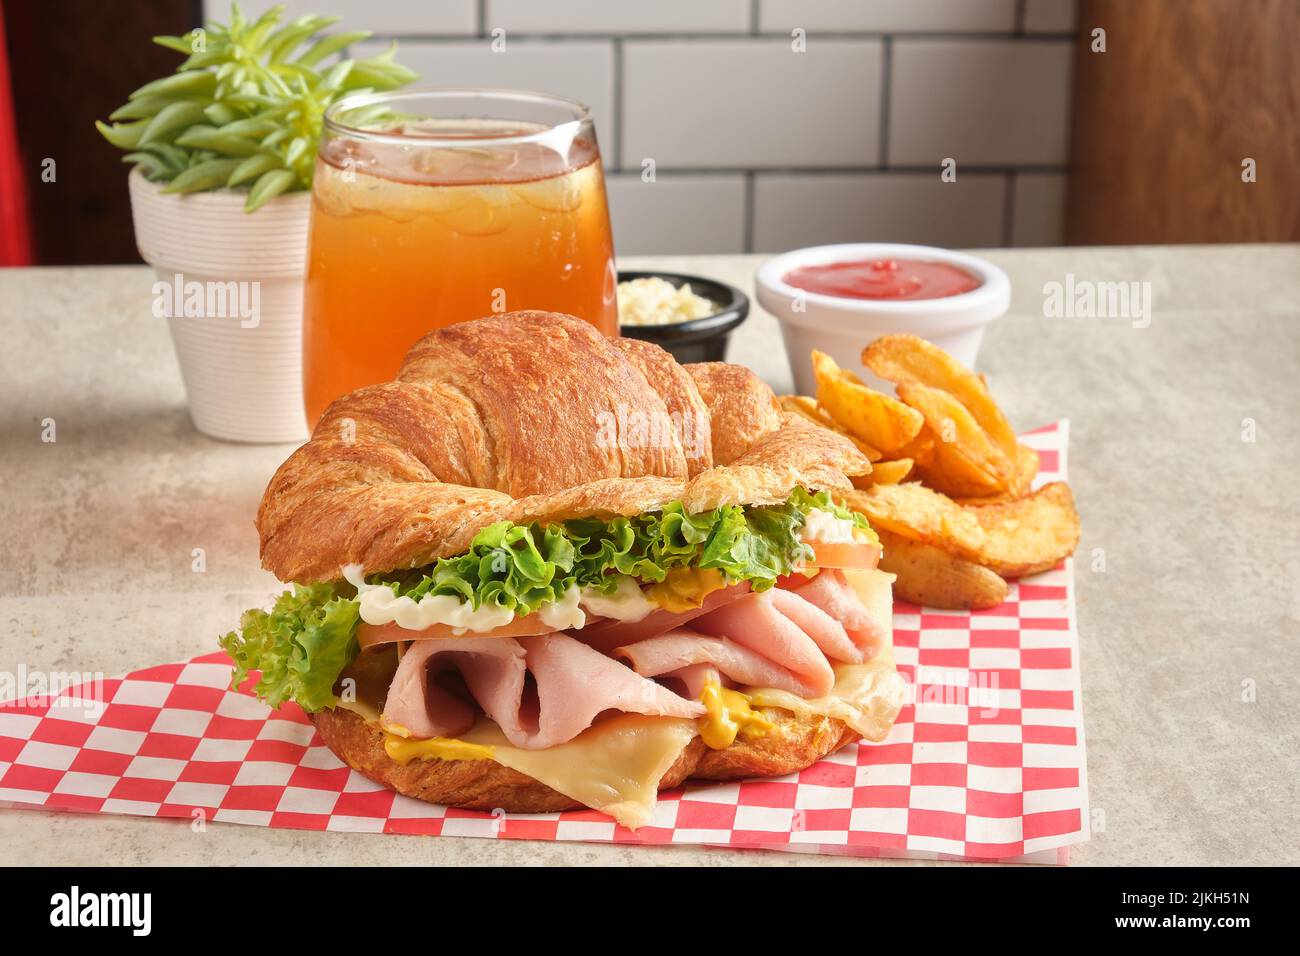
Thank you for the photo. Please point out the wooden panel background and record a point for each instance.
(73, 62)
(1163, 119)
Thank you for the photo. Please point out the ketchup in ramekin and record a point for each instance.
(884, 279)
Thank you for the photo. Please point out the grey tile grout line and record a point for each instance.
(1009, 211)
(815, 171)
(1022, 7)
(616, 97)
(617, 41)
(886, 73)
(737, 37)
(747, 238)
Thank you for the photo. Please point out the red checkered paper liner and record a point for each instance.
(986, 760)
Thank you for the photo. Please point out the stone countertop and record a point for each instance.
(1198, 603)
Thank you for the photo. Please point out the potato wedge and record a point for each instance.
(908, 360)
(806, 407)
(966, 461)
(977, 501)
(880, 421)
(1026, 472)
(1026, 469)
(890, 472)
(1030, 534)
(921, 514)
(935, 578)
(885, 473)
(1014, 539)
(920, 449)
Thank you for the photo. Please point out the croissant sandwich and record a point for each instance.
(545, 569)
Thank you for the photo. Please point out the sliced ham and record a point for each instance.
(609, 634)
(833, 594)
(671, 653)
(694, 677)
(829, 633)
(830, 592)
(417, 703)
(778, 638)
(755, 622)
(574, 684)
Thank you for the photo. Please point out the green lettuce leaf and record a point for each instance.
(300, 646)
(806, 501)
(304, 642)
(522, 567)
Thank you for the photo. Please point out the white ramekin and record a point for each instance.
(842, 327)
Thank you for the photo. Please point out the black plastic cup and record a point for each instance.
(695, 340)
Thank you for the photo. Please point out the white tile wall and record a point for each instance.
(682, 213)
(888, 16)
(751, 103)
(382, 17)
(804, 210)
(580, 69)
(758, 147)
(983, 102)
(586, 16)
(1038, 209)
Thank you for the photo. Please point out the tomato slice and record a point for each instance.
(371, 635)
(858, 555)
(792, 582)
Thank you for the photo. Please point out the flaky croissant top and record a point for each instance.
(530, 416)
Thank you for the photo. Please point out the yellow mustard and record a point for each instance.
(684, 589)
(729, 714)
(404, 750)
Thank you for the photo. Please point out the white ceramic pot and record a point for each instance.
(230, 286)
(841, 327)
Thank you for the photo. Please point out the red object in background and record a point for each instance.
(884, 279)
(15, 227)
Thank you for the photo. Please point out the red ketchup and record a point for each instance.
(883, 279)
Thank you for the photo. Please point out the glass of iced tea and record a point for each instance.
(436, 207)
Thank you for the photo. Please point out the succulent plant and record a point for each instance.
(240, 112)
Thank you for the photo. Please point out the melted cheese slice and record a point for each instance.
(875, 590)
(867, 697)
(614, 766)
(366, 711)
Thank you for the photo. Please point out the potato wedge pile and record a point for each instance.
(950, 487)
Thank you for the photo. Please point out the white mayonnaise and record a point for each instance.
(627, 603)
(564, 613)
(380, 606)
(827, 528)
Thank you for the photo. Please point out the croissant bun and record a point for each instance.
(530, 416)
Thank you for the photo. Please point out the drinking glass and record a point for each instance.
(436, 207)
